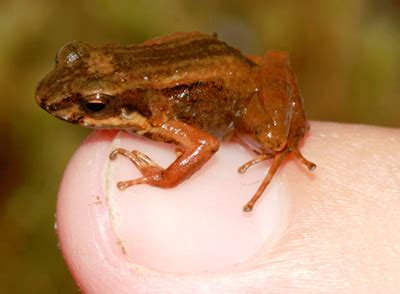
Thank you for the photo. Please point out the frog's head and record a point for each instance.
(84, 88)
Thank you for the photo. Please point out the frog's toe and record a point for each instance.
(143, 159)
(242, 169)
(310, 165)
(125, 184)
(117, 151)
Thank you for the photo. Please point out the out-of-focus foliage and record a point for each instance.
(346, 55)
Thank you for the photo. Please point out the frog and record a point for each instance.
(188, 89)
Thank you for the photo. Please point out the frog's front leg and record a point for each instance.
(144, 163)
(195, 146)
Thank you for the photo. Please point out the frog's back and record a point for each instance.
(207, 83)
(179, 58)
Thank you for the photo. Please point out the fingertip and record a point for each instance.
(194, 228)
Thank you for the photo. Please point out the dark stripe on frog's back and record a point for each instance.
(207, 105)
(165, 58)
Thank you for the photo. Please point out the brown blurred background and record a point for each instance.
(346, 55)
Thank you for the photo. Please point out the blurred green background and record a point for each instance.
(345, 53)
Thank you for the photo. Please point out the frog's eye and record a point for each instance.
(71, 52)
(96, 104)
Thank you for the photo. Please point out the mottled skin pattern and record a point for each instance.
(189, 89)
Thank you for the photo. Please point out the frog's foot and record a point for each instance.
(271, 172)
(150, 170)
(242, 169)
(141, 160)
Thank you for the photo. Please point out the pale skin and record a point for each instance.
(340, 234)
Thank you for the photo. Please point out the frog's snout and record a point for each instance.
(42, 102)
(40, 97)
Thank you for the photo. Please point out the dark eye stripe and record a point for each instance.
(65, 103)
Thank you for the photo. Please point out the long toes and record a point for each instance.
(113, 154)
(247, 208)
(311, 165)
(252, 162)
(122, 185)
(117, 151)
(144, 159)
(125, 184)
(243, 169)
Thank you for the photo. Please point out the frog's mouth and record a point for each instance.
(68, 115)
(135, 122)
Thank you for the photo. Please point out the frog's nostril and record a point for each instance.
(44, 105)
(42, 101)
(52, 107)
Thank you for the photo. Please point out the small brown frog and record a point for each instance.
(188, 89)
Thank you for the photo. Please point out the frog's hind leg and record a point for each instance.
(281, 100)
